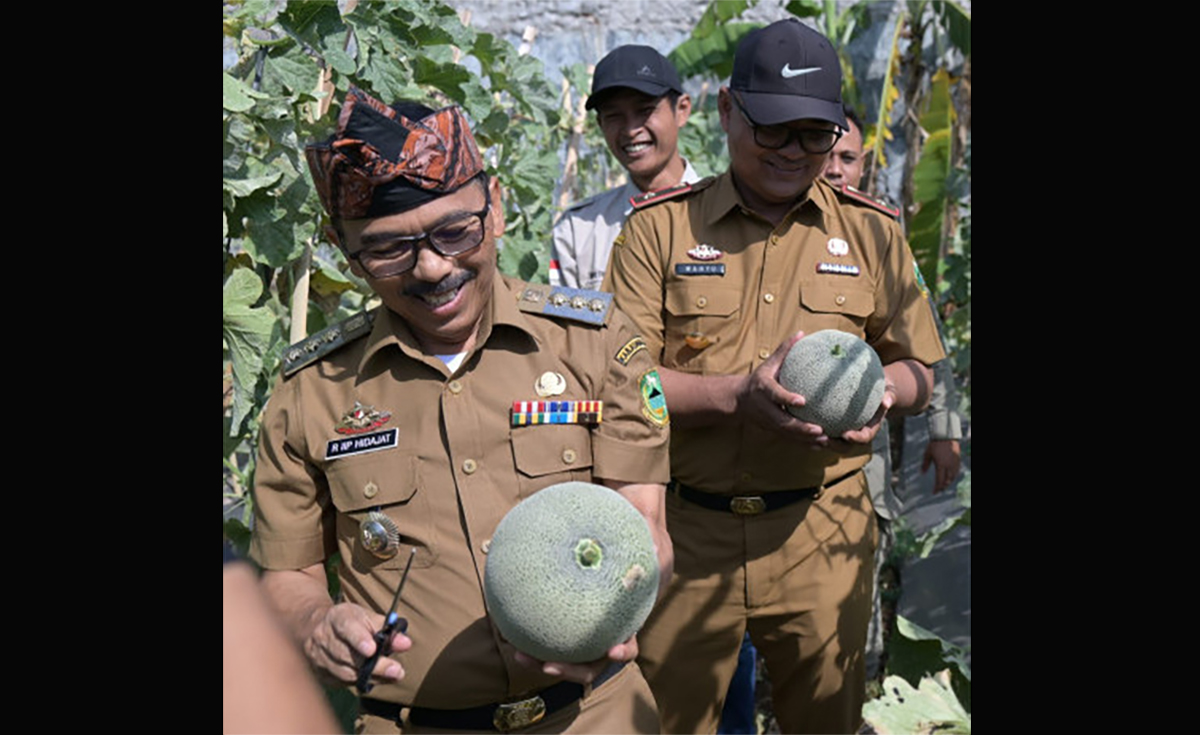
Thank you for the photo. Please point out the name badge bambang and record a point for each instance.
(338, 448)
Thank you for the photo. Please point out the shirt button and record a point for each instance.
(487, 544)
(702, 302)
(764, 353)
(774, 239)
(769, 298)
(840, 299)
(371, 490)
(747, 477)
(568, 456)
(469, 466)
(455, 387)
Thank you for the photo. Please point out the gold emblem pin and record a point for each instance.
(379, 535)
(697, 341)
(550, 384)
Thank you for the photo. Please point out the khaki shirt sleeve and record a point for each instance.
(293, 516)
(631, 443)
(902, 325)
(635, 277)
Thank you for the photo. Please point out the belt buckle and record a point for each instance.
(747, 505)
(515, 715)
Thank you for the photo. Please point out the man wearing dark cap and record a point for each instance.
(770, 519)
(640, 107)
(420, 423)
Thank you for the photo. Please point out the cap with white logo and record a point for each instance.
(787, 71)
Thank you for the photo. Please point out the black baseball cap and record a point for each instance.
(637, 67)
(787, 71)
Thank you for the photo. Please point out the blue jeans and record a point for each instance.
(737, 718)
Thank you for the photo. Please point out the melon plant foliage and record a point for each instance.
(294, 62)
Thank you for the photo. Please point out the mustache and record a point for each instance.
(449, 283)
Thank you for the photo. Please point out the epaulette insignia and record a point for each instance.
(577, 304)
(315, 346)
(639, 201)
(869, 200)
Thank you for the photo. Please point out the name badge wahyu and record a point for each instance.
(338, 448)
(699, 269)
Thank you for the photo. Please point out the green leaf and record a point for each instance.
(236, 95)
(805, 8)
(238, 535)
(247, 332)
(294, 71)
(717, 13)
(245, 187)
(931, 709)
(710, 54)
(957, 21)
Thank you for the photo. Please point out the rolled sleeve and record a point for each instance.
(293, 516)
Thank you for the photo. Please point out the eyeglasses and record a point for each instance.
(774, 137)
(399, 255)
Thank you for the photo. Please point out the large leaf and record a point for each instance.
(914, 653)
(931, 709)
(710, 54)
(236, 95)
(957, 21)
(247, 333)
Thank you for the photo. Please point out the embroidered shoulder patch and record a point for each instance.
(631, 348)
(315, 346)
(577, 304)
(864, 198)
(654, 402)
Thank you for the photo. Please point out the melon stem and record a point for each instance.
(588, 553)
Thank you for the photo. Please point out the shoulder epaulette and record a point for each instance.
(864, 198)
(640, 201)
(317, 345)
(576, 304)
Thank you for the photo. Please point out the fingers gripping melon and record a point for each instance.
(571, 571)
(840, 377)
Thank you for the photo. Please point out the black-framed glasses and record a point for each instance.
(399, 255)
(774, 137)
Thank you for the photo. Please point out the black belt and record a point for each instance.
(750, 505)
(500, 717)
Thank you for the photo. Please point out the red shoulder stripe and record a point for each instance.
(859, 196)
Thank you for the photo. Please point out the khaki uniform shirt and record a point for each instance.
(448, 475)
(833, 263)
(584, 234)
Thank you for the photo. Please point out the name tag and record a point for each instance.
(699, 269)
(837, 269)
(338, 448)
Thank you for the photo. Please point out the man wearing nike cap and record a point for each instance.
(769, 516)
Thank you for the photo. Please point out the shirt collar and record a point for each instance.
(391, 329)
(727, 198)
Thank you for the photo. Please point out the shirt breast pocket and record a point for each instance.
(388, 482)
(699, 318)
(547, 454)
(836, 307)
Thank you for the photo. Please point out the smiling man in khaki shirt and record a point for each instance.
(772, 527)
(401, 428)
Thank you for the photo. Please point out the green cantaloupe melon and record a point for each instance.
(571, 571)
(840, 377)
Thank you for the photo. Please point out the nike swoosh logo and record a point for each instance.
(788, 72)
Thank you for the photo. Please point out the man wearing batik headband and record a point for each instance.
(401, 428)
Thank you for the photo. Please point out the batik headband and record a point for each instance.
(380, 162)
